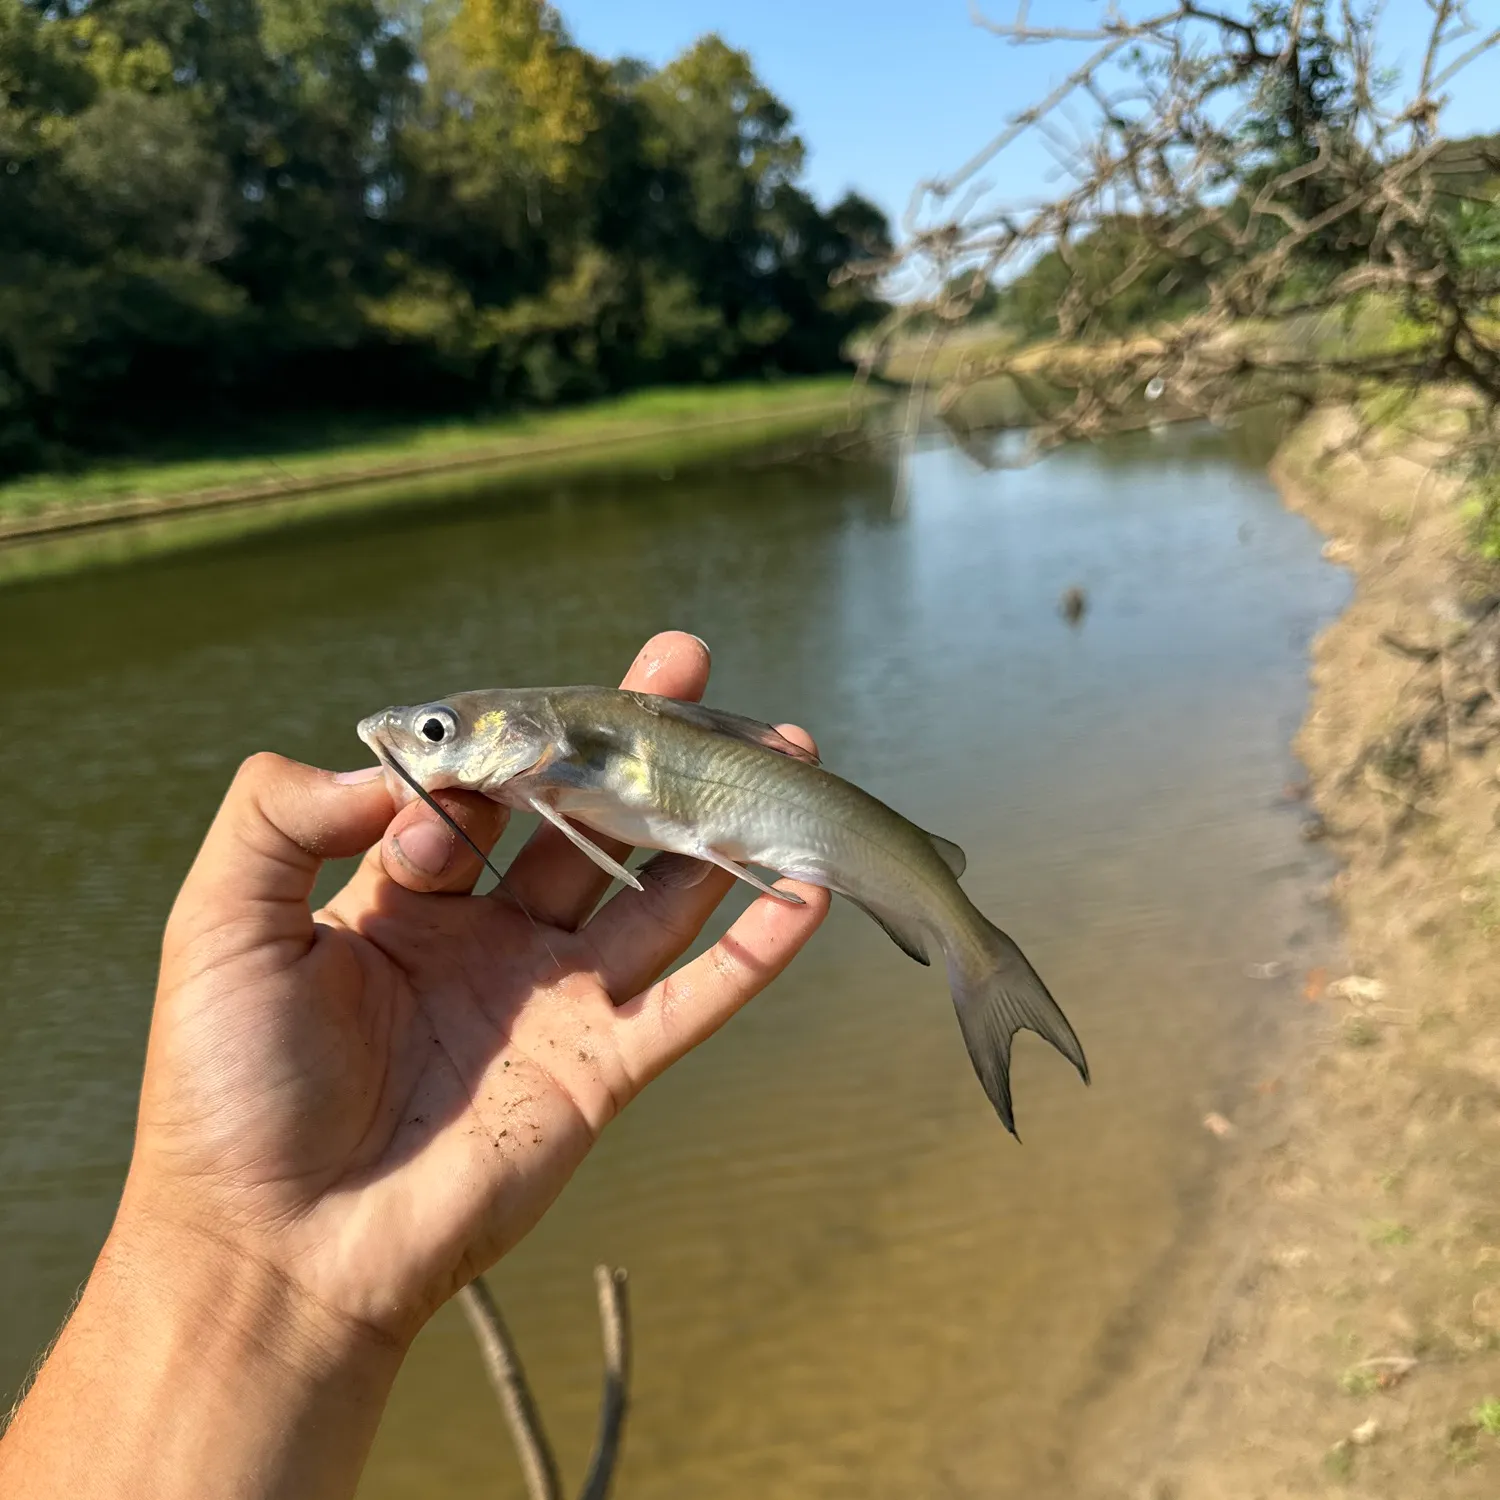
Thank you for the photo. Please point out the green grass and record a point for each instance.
(913, 354)
(642, 451)
(1390, 1234)
(1486, 1416)
(1339, 1462)
(338, 457)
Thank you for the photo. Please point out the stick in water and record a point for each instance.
(502, 1364)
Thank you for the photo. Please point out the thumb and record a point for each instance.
(277, 824)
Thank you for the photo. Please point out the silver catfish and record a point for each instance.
(663, 774)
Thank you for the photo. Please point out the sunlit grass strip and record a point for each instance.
(663, 453)
(405, 452)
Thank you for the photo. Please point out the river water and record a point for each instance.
(847, 1280)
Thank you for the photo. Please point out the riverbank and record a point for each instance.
(1357, 1346)
(108, 493)
(111, 515)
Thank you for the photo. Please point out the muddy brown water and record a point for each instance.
(847, 1280)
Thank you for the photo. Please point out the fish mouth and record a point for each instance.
(375, 732)
(372, 731)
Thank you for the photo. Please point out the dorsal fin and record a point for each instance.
(736, 726)
(949, 852)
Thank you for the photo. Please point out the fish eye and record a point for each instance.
(436, 725)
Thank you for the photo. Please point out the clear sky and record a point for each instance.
(888, 92)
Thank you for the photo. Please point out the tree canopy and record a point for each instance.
(214, 209)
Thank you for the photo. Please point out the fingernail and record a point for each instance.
(353, 778)
(706, 651)
(426, 847)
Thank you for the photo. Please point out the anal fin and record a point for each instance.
(908, 942)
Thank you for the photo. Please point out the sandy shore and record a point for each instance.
(1357, 1342)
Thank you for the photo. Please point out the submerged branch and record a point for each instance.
(614, 1324)
(502, 1363)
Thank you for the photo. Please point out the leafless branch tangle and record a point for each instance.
(1150, 128)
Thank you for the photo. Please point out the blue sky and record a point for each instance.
(887, 92)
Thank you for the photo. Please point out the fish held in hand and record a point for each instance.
(658, 773)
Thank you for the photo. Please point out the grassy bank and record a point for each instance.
(1358, 1350)
(116, 514)
(988, 375)
(308, 465)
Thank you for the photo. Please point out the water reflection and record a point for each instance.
(847, 1279)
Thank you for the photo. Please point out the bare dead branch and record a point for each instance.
(614, 1322)
(502, 1363)
(1241, 167)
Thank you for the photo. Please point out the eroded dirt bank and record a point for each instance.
(1357, 1350)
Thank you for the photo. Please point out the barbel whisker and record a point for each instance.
(390, 759)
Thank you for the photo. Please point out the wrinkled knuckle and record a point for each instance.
(617, 1091)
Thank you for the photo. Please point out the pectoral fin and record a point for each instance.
(741, 873)
(594, 852)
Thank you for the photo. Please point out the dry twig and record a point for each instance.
(1282, 238)
(502, 1363)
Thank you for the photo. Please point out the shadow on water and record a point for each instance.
(847, 1279)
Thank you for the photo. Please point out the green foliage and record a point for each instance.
(260, 207)
(1124, 271)
(1478, 235)
(1482, 511)
(1339, 1461)
(1118, 279)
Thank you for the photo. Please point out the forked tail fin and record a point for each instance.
(997, 993)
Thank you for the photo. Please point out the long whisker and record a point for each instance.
(439, 809)
(452, 822)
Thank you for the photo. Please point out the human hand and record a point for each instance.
(377, 1101)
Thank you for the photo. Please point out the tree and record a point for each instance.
(216, 213)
